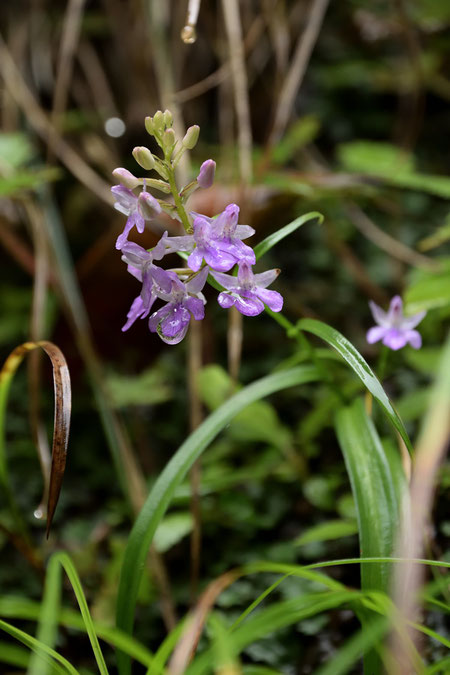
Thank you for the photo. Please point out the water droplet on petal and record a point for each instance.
(188, 34)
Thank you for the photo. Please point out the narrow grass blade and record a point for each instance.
(49, 611)
(21, 608)
(377, 495)
(12, 655)
(63, 392)
(270, 241)
(159, 498)
(359, 366)
(59, 663)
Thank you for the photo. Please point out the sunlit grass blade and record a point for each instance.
(62, 388)
(164, 650)
(159, 498)
(440, 667)
(58, 662)
(273, 239)
(359, 366)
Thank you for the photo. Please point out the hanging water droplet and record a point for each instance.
(39, 513)
(188, 34)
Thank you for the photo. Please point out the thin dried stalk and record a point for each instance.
(296, 72)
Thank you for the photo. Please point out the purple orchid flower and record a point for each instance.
(394, 329)
(138, 209)
(154, 279)
(183, 300)
(248, 291)
(219, 241)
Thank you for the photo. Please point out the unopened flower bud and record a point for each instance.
(144, 157)
(158, 120)
(148, 205)
(149, 126)
(168, 118)
(191, 137)
(126, 178)
(169, 138)
(206, 176)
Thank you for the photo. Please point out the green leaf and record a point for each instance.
(270, 241)
(359, 366)
(147, 388)
(378, 492)
(432, 291)
(391, 165)
(15, 150)
(160, 496)
(58, 662)
(302, 131)
(172, 529)
(331, 529)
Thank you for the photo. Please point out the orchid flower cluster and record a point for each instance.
(212, 245)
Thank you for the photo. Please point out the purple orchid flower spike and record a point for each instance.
(248, 291)
(138, 209)
(394, 329)
(183, 301)
(230, 235)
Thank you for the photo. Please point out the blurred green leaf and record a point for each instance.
(15, 150)
(270, 241)
(146, 388)
(430, 291)
(392, 165)
(299, 134)
(331, 529)
(172, 529)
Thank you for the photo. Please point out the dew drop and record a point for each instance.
(188, 34)
(115, 127)
(39, 513)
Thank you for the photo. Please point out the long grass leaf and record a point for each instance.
(159, 498)
(362, 369)
(61, 665)
(273, 239)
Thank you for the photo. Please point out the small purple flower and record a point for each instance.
(206, 176)
(219, 241)
(394, 329)
(183, 300)
(138, 209)
(248, 291)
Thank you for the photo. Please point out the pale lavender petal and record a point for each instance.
(244, 231)
(148, 205)
(195, 260)
(226, 280)
(378, 314)
(395, 311)
(122, 238)
(409, 322)
(161, 278)
(219, 260)
(376, 333)
(133, 254)
(264, 279)
(272, 299)
(137, 310)
(414, 338)
(126, 200)
(183, 243)
(245, 275)
(250, 306)
(196, 308)
(226, 300)
(135, 272)
(206, 176)
(236, 249)
(139, 222)
(196, 284)
(394, 339)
